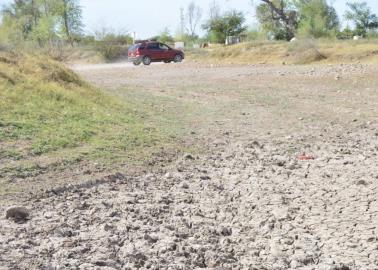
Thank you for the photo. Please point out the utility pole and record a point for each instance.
(182, 22)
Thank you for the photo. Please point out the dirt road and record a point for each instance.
(287, 177)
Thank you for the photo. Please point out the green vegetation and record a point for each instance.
(230, 23)
(279, 26)
(45, 108)
(42, 22)
(362, 17)
(56, 26)
(308, 18)
(282, 20)
(164, 36)
(110, 44)
(318, 19)
(111, 51)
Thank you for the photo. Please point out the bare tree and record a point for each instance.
(193, 17)
(214, 10)
(182, 22)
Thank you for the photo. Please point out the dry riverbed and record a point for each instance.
(284, 176)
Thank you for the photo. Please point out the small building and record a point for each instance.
(235, 39)
(179, 45)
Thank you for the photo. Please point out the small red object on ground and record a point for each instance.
(305, 157)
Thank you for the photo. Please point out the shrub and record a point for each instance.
(347, 33)
(112, 45)
(305, 52)
(111, 51)
(372, 35)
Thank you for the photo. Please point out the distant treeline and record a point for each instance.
(41, 21)
(55, 22)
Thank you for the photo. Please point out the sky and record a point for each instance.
(150, 17)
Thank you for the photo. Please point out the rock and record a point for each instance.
(281, 213)
(280, 163)
(18, 214)
(114, 214)
(342, 267)
(169, 175)
(276, 250)
(199, 260)
(361, 183)
(49, 267)
(48, 215)
(184, 185)
(64, 232)
(108, 227)
(291, 166)
(294, 264)
(189, 156)
(226, 231)
(151, 238)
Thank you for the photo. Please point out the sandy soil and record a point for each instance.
(288, 177)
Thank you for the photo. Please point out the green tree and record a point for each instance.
(347, 33)
(44, 32)
(362, 17)
(278, 17)
(70, 13)
(230, 23)
(19, 18)
(285, 18)
(317, 18)
(41, 20)
(165, 36)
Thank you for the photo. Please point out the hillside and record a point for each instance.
(51, 120)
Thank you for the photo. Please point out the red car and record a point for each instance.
(153, 51)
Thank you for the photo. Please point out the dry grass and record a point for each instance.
(365, 51)
(299, 52)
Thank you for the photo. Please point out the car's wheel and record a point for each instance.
(146, 60)
(137, 63)
(178, 58)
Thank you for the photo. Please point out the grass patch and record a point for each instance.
(49, 108)
(21, 171)
(10, 154)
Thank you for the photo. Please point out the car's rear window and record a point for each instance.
(153, 46)
(134, 47)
